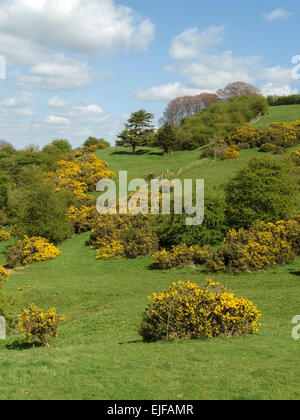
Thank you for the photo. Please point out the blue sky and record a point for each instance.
(77, 68)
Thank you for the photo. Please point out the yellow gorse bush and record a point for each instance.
(278, 134)
(39, 325)
(80, 176)
(189, 311)
(31, 250)
(83, 218)
(116, 236)
(3, 276)
(263, 246)
(230, 153)
(4, 236)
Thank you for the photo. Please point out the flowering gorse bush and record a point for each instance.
(277, 136)
(39, 325)
(231, 153)
(188, 311)
(80, 175)
(4, 236)
(83, 218)
(116, 236)
(3, 276)
(263, 246)
(31, 250)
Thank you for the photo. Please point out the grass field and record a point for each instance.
(283, 113)
(99, 354)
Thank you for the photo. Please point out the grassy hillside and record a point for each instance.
(99, 355)
(283, 113)
(215, 172)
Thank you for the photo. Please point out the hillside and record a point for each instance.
(99, 354)
(148, 160)
(282, 113)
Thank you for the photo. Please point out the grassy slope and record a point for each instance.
(283, 113)
(100, 355)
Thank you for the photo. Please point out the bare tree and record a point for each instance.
(237, 89)
(186, 106)
(5, 144)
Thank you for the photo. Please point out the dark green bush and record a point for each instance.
(211, 232)
(264, 190)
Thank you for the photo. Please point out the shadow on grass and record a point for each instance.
(132, 342)
(22, 345)
(129, 153)
(295, 273)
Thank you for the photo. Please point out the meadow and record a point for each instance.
(99, 354)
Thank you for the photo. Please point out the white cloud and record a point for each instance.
(190, 43)
(165, 92)
(53, 119)
(270, 89)
(21, 99)
(81, 26)
(55, 102)
(278, 14)
(25, 112)
(57, 73)
(204, 71)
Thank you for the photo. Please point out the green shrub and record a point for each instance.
(41, 211)
(173, 229)
(264, 190)
(187, 311)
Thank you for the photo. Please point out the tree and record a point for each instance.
(265, 190)
(37, 209)
(234, 90)
(138, 130)
(62, 145)
(187, 106)
(165, 138)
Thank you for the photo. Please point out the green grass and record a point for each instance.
(283, 113)
(99, 355)
(216, 173)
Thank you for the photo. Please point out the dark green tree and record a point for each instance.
(138, 131)
(265, 190)
(35, 208)
(165, 139)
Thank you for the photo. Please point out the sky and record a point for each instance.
(79, 68)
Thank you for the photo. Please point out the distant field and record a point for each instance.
(215, 172)
(283, 113)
